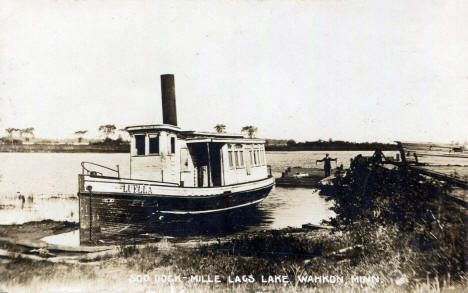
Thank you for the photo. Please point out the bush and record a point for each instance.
(400, 213)
(6, 140)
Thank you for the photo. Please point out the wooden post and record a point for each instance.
(209, 164)
(90, 217)
(402, 152)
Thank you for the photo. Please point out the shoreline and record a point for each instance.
(24, 241)
(33, 231)
(29, 234)
(285, 260)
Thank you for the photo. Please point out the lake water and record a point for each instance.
(39, 186)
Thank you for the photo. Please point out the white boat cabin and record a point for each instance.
(195, 159)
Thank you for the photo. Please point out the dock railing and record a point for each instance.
(419, 157)
(85, 170)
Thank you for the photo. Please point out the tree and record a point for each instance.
(10, 131)
(107, 130)
(249, 130)
(220, 128)
(80, 134)
(22, 132)
(28, 132)
(291, 142)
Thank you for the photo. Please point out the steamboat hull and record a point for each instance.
(145, 205)
(106, 214)
(146, 198)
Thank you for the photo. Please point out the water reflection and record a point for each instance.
(284, 207)
(71, 238)
(218, 225)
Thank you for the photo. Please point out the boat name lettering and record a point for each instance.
(136, 188)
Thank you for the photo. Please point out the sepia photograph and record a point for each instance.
(233, 146)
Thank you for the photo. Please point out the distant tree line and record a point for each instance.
(17, 135)
(107, 131)
(337, 145)
(319, 145)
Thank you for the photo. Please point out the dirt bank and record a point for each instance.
(24, 241)
(36, 230)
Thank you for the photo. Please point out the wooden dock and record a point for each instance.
(444, 162)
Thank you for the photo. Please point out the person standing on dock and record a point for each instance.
(326, 164)
(378, 156)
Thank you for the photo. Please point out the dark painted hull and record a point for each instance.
(155, 204)
(107, 215)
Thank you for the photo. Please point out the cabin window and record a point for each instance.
(172, 145)
(154, 145)
(255, 157)
(236, 157)
(231, 163)
(241, 158)
(140, 144)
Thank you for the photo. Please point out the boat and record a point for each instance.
(175, 172)
(300, 177)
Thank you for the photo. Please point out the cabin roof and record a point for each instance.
(224, 140)
(196, 136)
(191, 133)
(143, 128)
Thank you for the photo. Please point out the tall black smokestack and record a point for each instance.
(168, 99)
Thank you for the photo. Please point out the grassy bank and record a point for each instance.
(254, 257)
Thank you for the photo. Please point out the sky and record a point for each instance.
(305, 70)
